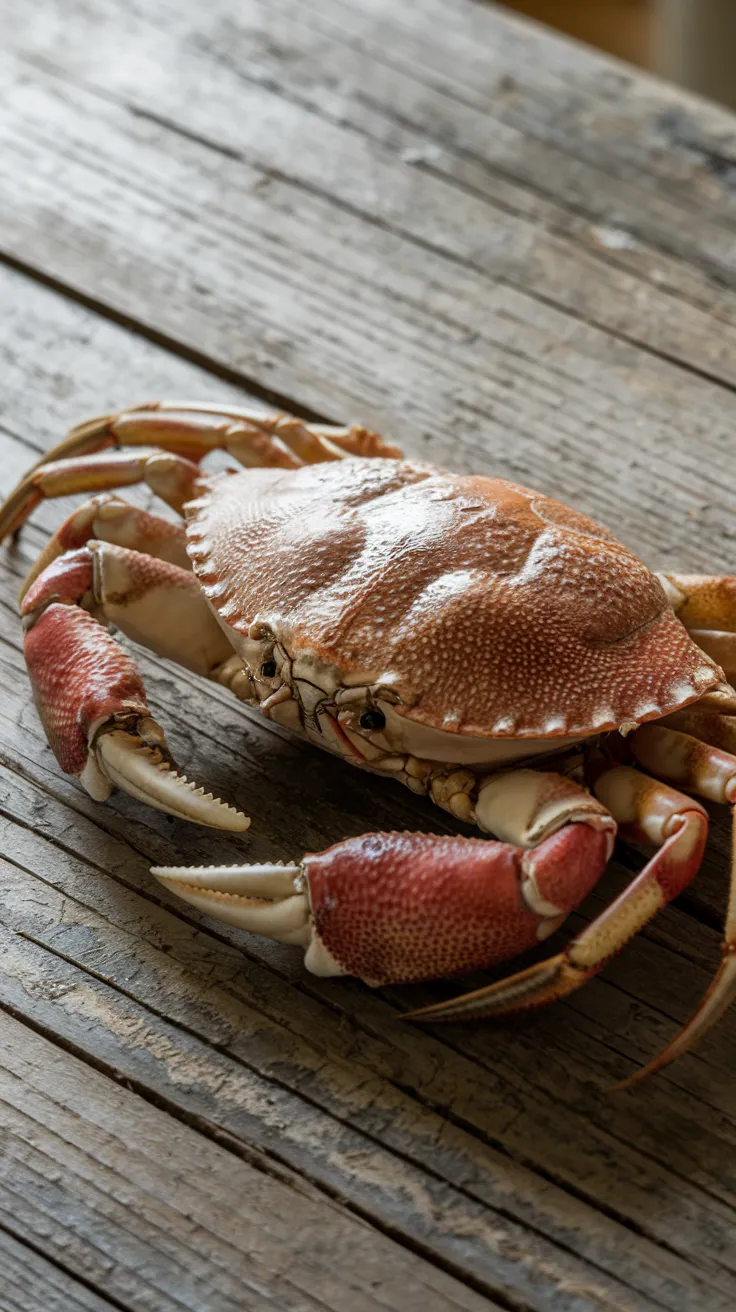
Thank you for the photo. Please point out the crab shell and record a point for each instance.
(470, 605)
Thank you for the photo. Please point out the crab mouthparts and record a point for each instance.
(347, 748)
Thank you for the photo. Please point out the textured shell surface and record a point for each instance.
(488, 609)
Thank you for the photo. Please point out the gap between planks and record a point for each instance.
(31, 1280)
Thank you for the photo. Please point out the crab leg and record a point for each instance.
(88, 691)
(682, 759)
(400, 907)
(193, 429)
(393, 908)
(111, 519)
(706, 605)
(171, 477)
(711, 772)
(649, 811)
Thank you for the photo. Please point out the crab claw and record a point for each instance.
(92, 705)
(266, 899)
(396, 908)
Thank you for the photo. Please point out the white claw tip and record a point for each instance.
(269, 881)
(143, 772)
(262, 899)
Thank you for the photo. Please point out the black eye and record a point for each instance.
(268, 669)
(373, 720)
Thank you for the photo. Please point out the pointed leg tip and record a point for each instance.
(627, 1083)
(434, 1011)
(525, 991)
(637, 1076)
(713, 1006)
(460, 1008)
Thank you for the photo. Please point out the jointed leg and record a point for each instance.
(193, 429)
(710, 771)
(648, 811)
(402, 907)
(183, 433)
(110, 519)
(703, 601)
(706, 604)
(254, 437)
(171, 477)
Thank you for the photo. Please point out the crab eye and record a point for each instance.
(268, 669)
(373, 720)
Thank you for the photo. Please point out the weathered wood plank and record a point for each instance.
(244, 1011)
(218, 1092)
(372, 323)
(163, 1218)
(330, 59)
(592, 108)
(189, 54)
(28, 1282)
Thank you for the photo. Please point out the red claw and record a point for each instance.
(396, 908)
(88, 690)
(80, 678)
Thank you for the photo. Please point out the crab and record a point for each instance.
(480, 642)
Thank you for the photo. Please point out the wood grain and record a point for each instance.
(29, 1281)
(166, 1219)
(513, 256)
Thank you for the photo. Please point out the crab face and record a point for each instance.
(363, 724)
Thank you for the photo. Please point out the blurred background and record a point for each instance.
(692, 42)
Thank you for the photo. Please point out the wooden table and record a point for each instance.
(513, 255)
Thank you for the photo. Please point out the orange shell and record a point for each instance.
(489, 609)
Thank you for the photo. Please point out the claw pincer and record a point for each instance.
(88, 690)
(395, 908)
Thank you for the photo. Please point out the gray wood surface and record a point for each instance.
(512, 255)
